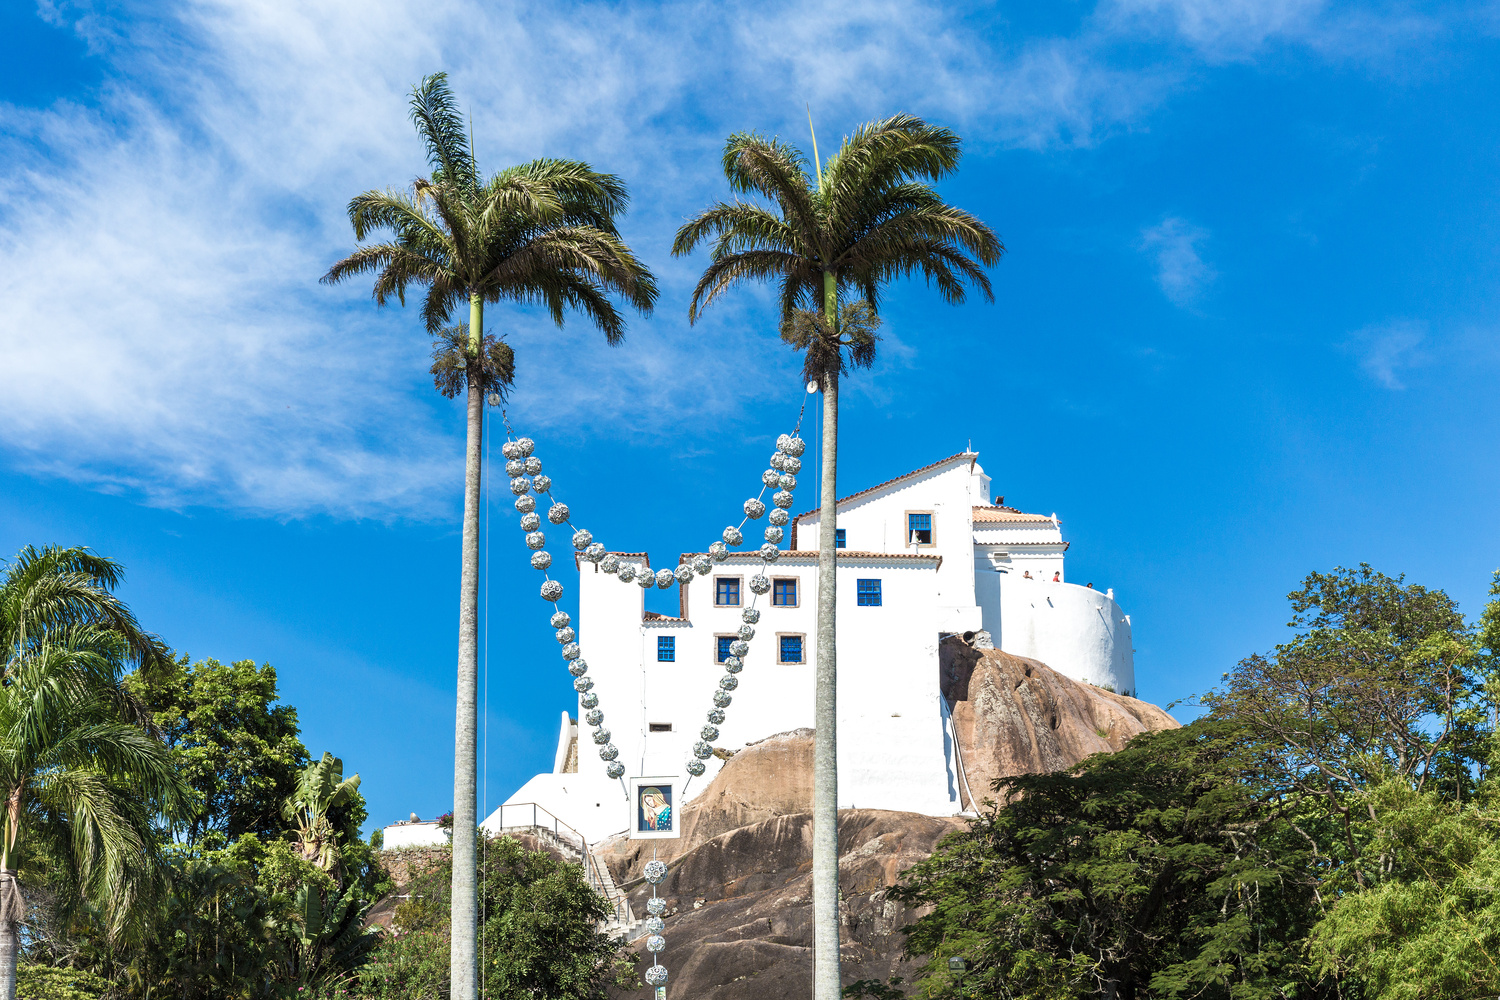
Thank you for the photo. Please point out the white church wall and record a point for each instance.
(1079, 632)
(588, 801)
(400, 836)
(609, 629)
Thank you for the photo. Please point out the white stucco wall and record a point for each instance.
(402, 835)
(1079, 632)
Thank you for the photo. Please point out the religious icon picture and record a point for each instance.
(653, 808)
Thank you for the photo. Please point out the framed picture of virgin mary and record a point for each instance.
(653, 808)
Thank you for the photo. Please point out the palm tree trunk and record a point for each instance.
(825, 848)
(12, 912)
(463, 963)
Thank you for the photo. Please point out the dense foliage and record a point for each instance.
(1330, 828)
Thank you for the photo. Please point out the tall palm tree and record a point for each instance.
(871, 216)
(542, 232)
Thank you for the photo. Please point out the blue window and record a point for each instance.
(666, 648)
(838, 539)
(919, 529)
(727, 591)
(868, 592)
(723, 652)
(791, 649)
(784, 593)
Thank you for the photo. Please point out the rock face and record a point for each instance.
(739, 918)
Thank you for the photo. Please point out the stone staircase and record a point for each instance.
(532, 819)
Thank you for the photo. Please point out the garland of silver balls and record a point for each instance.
(527, 483)
(656, 906)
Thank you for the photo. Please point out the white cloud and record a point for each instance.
(1386, 350)
(1181, 272)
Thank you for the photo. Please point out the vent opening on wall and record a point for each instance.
(660, 727)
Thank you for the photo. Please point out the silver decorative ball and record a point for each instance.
(702, 750)
(788, 482)
(656, 975)
(561, 619)
(646, 580)
(566, 635)
(702, 565)
(746, 632)
(759, 584)
(655, 872)
(608, 752)
(684, 573)
(718, 552)
(779, 517)
(551, 590)
(793, 446)
(656, 943)
(590, 700)
(570, 651)
(608, 563)
(665, 578)
(783, 499)
(769, 552)
(526, 504)
(734, 664)
(626, 572)
(729, 682)
(722, 699)
(709, 732)
(754, 508)
(614, 769)
(583, 685)
(716, 717)
(558, 513)
(791, 465)
(732, 536)
(750, 616)
(771, 477)
(656, 906)
(520, 486)
(601, 736)
(578, 667)
(525, 446)
(533, 466)
(774, 534)
(655, 925)
(515, 467)
(510, 450)
(695, 767)
(582, 539)
(778, 461)
(542, 484)
(595, 552)
(531, 522)
(739, 647)
(536, 540)
(541, 560)
(594, 718)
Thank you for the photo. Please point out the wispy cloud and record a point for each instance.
(1174, 245)
(1387, 350)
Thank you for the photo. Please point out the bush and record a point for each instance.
(48, 982)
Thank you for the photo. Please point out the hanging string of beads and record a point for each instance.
(527, 483)
(655, 872)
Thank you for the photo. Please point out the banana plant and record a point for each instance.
(321, 788)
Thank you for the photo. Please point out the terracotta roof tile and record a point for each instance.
(993, 515)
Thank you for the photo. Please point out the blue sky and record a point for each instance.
(1246, 326)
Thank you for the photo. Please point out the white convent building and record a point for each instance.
(924, 555)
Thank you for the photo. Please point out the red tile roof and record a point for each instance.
(991, 515)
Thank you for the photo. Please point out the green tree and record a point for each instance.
(542, 232)
(868, 218)
(82, 785)
(235, 744)
(318, 811)
(1155, 871)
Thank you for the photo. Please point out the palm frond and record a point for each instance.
(435, 114)
(725, 272)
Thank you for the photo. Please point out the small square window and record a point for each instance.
(660, 727)
(666, 648)
(919, 529)
(868, 592)
(838, 539)
(727, 591)
(791, 649)
(721, 647)
(784, 593)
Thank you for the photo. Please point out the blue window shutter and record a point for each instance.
(666, 649)
(868, 593)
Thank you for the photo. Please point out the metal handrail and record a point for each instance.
(591, 867)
